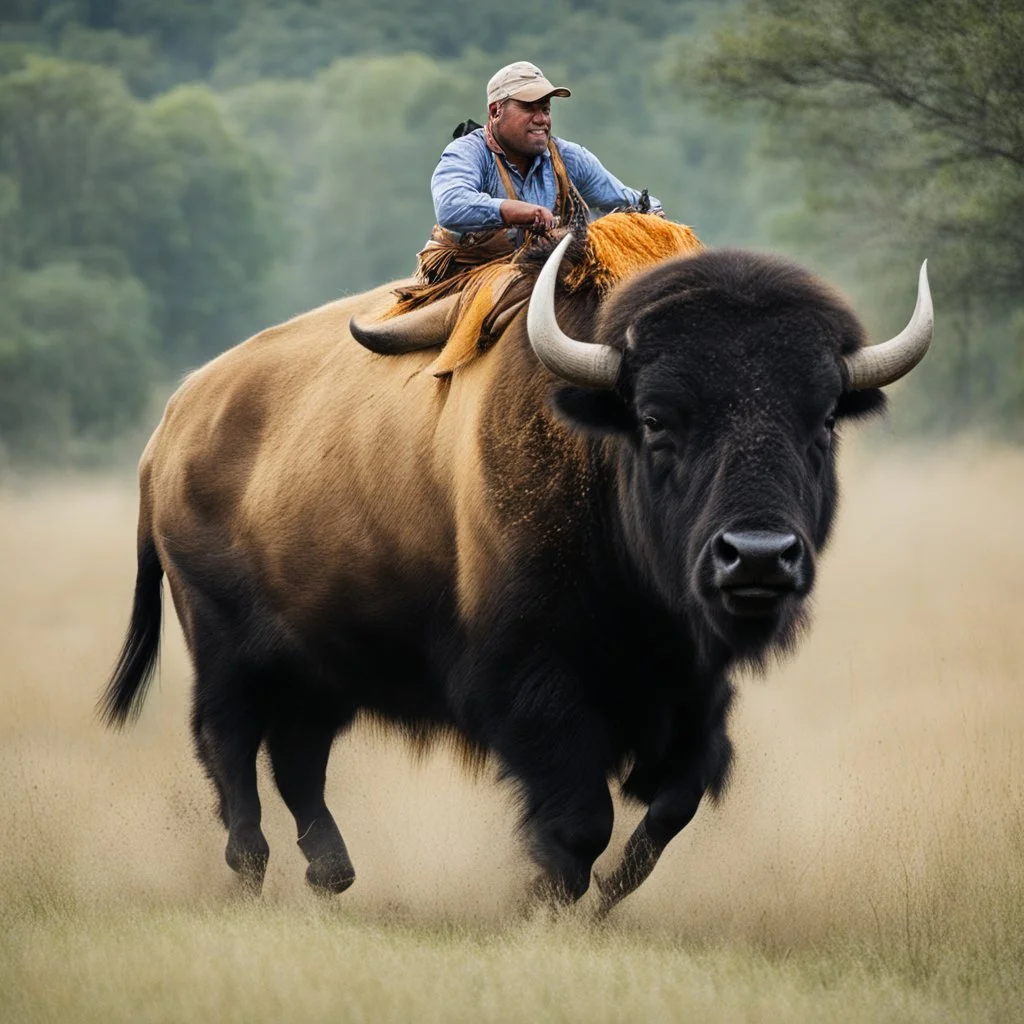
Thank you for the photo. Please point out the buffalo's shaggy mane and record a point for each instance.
(758, 284)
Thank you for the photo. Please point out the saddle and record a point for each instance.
(606, 252)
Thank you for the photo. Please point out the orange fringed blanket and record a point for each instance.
(623, 244)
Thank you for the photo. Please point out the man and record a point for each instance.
(512, 174)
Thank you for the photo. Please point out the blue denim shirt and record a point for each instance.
(468, 192)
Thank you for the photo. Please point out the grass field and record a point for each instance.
(867, 864)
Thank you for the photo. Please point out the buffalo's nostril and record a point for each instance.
(723, 552)
(757, 558)
(793, 554)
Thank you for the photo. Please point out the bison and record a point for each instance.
(556, 554)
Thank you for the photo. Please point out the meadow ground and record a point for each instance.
(867, 864)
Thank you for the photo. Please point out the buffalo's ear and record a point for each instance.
(597, 412)
(853, 405)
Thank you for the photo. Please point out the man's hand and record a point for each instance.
(527, 215)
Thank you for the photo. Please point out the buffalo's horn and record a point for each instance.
(592, 366)
(878, 365)
(426, 327)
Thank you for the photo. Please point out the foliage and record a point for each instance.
(161, 207)
(76, 148)
(363, 138)
(75, 357)
(909, 122)
(211, 239)
(241, 41)
(232, 163)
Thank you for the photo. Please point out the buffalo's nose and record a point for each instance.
(757, 558)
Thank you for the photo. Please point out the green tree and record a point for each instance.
(80, 155)
(75, 358)
(168, 192)
(909, 122)
(188, 33)
(356, 148)
(206, 246)
(298, 38)
(131, 234)
(913, 110)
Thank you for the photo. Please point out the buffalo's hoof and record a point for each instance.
(546, 898)
(249, 861)
(330, 874)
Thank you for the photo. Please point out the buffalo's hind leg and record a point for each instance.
(227, 737)
(299, 749)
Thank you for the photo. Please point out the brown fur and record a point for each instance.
(271, 456)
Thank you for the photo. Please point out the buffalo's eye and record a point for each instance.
(823, 436)
(653, 424)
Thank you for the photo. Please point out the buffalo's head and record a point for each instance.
(719, 381)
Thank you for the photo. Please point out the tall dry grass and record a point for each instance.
(867, 863)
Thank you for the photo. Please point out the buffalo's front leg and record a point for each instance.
(698, 762)
(569, 826)
(670, 812)
(554, 748)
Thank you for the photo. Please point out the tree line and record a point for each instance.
(176, 174)
(908, 120)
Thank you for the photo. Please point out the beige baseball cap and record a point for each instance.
(521, 81)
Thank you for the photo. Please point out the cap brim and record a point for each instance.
(538, 91)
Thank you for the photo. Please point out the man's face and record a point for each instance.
(524, 128)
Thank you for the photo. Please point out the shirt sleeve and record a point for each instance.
(457, 183)
(599, 187)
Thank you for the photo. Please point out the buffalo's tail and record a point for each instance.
(124, 695)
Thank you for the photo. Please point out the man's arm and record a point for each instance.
(456, 184)
(598, 186)
(461, 205)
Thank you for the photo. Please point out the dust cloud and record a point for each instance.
(877, 791)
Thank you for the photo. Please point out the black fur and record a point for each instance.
(124, 696)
